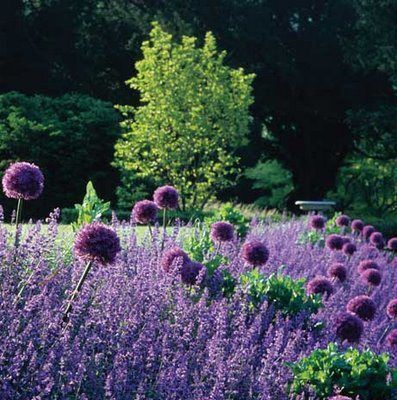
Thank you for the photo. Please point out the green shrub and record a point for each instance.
(70, 137)
(353, 372)
(284, 293)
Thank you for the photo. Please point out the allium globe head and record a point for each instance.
(391, 309)
(342, 220)
(371, 277)
(392, 244)
(368, 230)
(349, 249)
(377, 240)
(23, 180)
(334, 242)
(97, 242)
(320, 285)
(172, 255)
(337, 271)
(190, 272)
(255, 253)
(392, 338)
(348, 327)
(317, 222)
(362, 306)
(145, 212)
(366, 264)
(222, 231)
(166, 197)
(357, 225)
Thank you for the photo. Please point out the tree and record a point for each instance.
(194, 115)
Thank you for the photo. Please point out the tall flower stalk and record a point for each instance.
(22, 181)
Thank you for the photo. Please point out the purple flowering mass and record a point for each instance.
(392, 244)
(368, 230)
(357, 225)
(334, 242)
(23, 180)
(317, 222)
(166, 197)
(175, 323)
(145, 212)
(342, 220)
(222, 231)
(97, 242)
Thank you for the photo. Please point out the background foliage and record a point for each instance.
(324, 89)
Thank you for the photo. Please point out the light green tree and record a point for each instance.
(194, 115)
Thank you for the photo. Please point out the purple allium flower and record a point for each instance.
(166, 197)
(317, 222)
(391, 309)
(346, 239)
(172, 255)
(97, 242)
(371, 277)
(320, 285)
(255, 253)
(357, 225)
(342, 220)
(145, 212)
(23, 180)
(348, 327)
(337, 271)
(392, 338)
(349, 249)
(334, 242)
(363, 306)
(376, 239)
(366, 264)
(222, 231)
(339, 397)
(392, 244)
(190, 272)
(367, 231)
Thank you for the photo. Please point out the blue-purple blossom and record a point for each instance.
(367, 231)
(334, 242)
(23, 180)
(222, 231)
(348, 327)
(391, 309)
(349, 249)
(339, 397)
(320, 285)
(337, 271)
(342, 220)
(190, 272)
(317, 222)
(255, 253)
(357, 225)
(145, 212)
(173, 255)
(97, 242)
(362, 306)
(366, 264)
(392, 244)
(377, 240)
(371, 277)
(166, 197)
(391, 338)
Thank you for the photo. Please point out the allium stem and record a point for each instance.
(150, 230)
(77, 290)
(17, 221)
(164, 227)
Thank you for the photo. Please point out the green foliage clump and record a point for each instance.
(70, 137)
(227, 212)
(284, 293)
(91, 209)
(353, 372)
(193, 117)
(273, 181)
